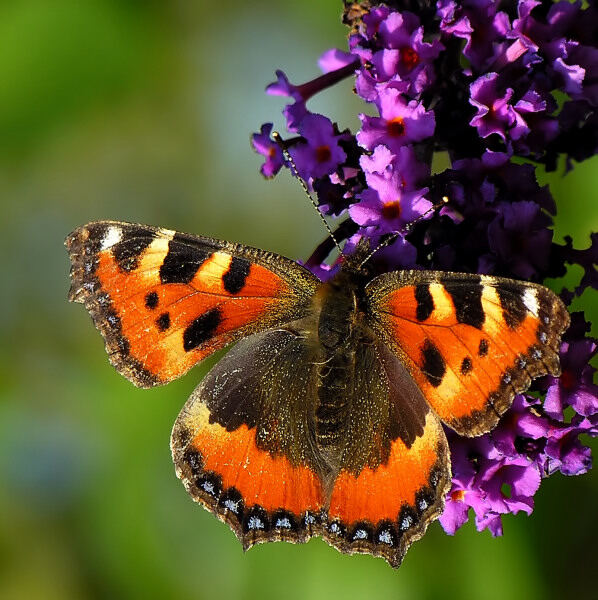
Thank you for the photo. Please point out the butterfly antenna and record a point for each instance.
(278, 139)
(408, 227)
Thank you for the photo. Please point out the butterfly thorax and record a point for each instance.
(338, 312)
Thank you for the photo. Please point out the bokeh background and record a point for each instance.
(142, 111)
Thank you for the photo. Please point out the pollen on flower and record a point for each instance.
(396, 127)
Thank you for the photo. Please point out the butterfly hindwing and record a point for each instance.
(165, 300)
(244, 445)
(394, 467)
(471, 342)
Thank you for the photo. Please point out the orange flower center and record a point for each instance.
(458, 495)
(323, 154)
(567, 379)
(409, 57)
(391, 210)
(396, 127)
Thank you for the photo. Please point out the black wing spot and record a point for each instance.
(202, 329)
(236, 276)
(128, 251)
(433, 365)
(511, 302)
(467, 299)
(182, 261)
(163, 321)
(466, 366)
(483, 347)
(425, 302)
(151, 300)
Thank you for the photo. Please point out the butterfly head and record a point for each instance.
(357, 263)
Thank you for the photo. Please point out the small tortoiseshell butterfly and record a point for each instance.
(326, 417)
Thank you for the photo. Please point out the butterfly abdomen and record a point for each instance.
(333, 408)
(336, 330)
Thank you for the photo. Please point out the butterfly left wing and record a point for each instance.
(244, 443)
(164, 300)
(471, 342)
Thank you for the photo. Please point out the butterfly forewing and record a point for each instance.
(471, 342)
(164, 300)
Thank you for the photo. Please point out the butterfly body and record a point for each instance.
(325, 417)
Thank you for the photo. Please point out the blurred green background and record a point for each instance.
(142, 111)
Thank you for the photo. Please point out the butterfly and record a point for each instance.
(325, 418)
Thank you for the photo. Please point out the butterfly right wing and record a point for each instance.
(471, 342)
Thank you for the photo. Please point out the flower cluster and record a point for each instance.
(490, 91)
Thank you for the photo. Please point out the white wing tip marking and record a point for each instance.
(112, 236)
(530, 299)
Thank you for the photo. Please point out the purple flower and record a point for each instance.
(373, 19)
(295, 112)
(405, 54)
(265, 145)
(581, 59)
(389, 207)
(572, 75)
(400, 122)
(522, 430)
(495, 114)
(575, 387)
(321, 154)
(489, 482)
(483, 28)
(335, 59)
(565, 452)
(404, 164)
(521, 476)
(457, 505)
(391, 199)
(453, 19)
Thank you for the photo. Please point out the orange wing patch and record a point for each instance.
(164, 300)
(383, 510)
(262, 497)
(471, 342)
